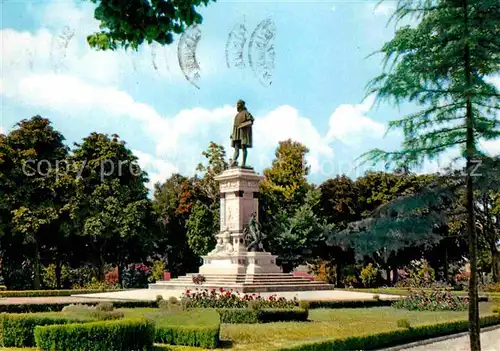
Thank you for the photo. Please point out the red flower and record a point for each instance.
(187, 291)
(221, 289)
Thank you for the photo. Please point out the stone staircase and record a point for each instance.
(245, 283)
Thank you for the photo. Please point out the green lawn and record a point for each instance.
(323, 324)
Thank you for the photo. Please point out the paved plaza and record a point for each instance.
(150, 295)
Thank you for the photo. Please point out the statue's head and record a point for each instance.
(240, 105)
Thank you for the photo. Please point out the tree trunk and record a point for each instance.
(445, 263)
(102, 264)
(495, 263)
(58, 274)
(36, 267)
(394, 276)
(474, 328)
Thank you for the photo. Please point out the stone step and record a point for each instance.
(247, 280)
(247, 288)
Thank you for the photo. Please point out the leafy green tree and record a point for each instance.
(203, 221)
(130, 23)
(110, 200)
(291, 207)
(35, 150)
(202, 225)
(441, 63)
(298, 237)
(339, 201)
(171, 244)
(285, 185)
(216, 163)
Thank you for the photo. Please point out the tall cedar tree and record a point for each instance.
(130, 23)
(442, 64)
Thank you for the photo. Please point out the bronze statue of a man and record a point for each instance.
(241, 138)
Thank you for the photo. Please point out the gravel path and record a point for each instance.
(48, 299)
(490, 341)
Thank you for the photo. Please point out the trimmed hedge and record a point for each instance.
(393, 338)
(55, 307)
(348, 304)
(16, 330)
(188, 335)
(238, 315)
(48, 293)
(245, 315)
(128, 334)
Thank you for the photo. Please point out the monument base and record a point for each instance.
(246, 272)
(240, 263)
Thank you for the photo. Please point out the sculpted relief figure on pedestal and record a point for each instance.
(241, 137)
(253, 235)
(223, 245)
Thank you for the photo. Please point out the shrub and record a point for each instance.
(403, 323)
(128, 334)
(95, 284)
(435, 300)
(325, 271)
(44, 293)
(227, 299)
(376, 297)
(305, 305)
(198, 279)
(349, 304)
(238, 315)
(49, 277)
(492, 287)
(245, 315)
(112, 277)
(173, 300)
(55, 307)
(17, 329)
(420, 274)
(135, 276)
(349, 281)
(496, 309)
(369, 275)
(172, 304)
(104, 306)
(206, 336)
(157, 271)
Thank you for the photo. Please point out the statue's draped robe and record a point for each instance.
(243, 135)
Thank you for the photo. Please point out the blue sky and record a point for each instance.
(319, 77)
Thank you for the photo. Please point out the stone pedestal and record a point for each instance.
(239, 198)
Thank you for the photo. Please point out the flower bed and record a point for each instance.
(435, 300)
(204, 298)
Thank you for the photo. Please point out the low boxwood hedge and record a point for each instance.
(348, 304)
(127, 334)
(393, 338)
(188, 335)
(55, 307)
(246, 315)
(16, 330)
(48, 293)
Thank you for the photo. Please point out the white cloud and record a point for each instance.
(349, 124)
(158, 170)
(2, 130)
